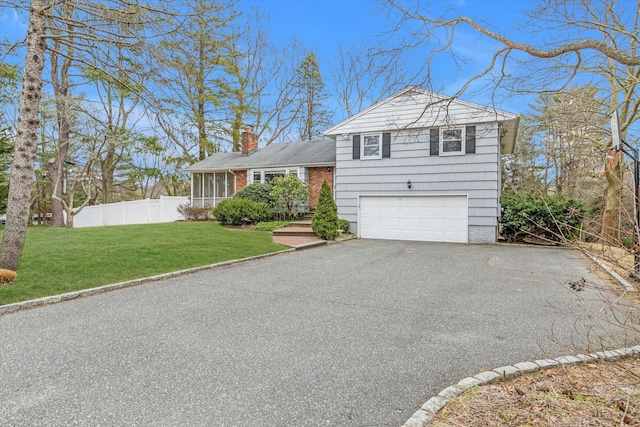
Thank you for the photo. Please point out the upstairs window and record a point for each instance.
(371, 146)
(451, 141)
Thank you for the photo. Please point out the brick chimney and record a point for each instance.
(249, 141)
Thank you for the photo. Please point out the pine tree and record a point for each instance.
(314, 118)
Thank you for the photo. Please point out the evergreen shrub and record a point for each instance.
(553, 217)
(241, 211)
(344, 225)
(325, 219)
(260, 193)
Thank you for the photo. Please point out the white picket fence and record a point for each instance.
(145, 211)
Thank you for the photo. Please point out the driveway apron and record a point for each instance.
(352, 334)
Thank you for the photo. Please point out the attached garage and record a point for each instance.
(423, 218)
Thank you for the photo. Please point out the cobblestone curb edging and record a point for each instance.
(626, 285)
(17, 306)
(423, 416)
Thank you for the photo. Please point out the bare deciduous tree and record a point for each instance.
(573, 39)
(361, 78)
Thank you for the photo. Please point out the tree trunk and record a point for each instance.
(56, 172)
(21, 179)
(108, 174)
(60, 84)
(613, 202)
(202, 132)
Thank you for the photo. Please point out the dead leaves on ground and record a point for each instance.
(594, 394)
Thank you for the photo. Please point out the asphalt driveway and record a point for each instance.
(354, 334)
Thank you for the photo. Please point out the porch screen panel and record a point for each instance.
(230, 184)
(197, 185)
(220, 184)
(208, 185)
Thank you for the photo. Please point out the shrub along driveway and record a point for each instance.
(358, 333)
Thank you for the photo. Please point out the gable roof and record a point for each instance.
(413, 108)
(284, 154)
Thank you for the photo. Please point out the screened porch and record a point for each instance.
(207, 189)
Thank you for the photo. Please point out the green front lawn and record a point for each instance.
(58, 260)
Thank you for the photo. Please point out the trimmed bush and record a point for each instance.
(259, 193)
(344, 225)
(193, 213)
(325, 220)
(549, 217)
(241, 211)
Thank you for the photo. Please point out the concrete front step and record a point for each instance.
(294, 231)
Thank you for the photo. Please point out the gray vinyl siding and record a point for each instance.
(475, 175)
(417, 109)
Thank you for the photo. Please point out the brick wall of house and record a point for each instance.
(241, 179)
(316, 177)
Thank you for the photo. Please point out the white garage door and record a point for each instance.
(424, 218)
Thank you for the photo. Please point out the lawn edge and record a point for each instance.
(54, 299)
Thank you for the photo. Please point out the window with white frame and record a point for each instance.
(452, 141)
(265, 176)
(371, 146)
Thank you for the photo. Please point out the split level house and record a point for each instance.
(414, 166)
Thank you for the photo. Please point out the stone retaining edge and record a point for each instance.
(626, 285)
(17, 306)
(423, 416)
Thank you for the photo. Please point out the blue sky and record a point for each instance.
(322, 25)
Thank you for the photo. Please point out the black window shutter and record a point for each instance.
(386, 145)
(434, 140)
(470, 140)
(356, 147)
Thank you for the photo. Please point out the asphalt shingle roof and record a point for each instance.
(306, 153)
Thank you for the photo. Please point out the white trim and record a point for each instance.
(362, 138)
(463, 141)
(263, 172)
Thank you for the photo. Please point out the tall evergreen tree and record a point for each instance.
(192, 56)
(314, 117)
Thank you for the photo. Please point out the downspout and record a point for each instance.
(334, 181)
(191, 189)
